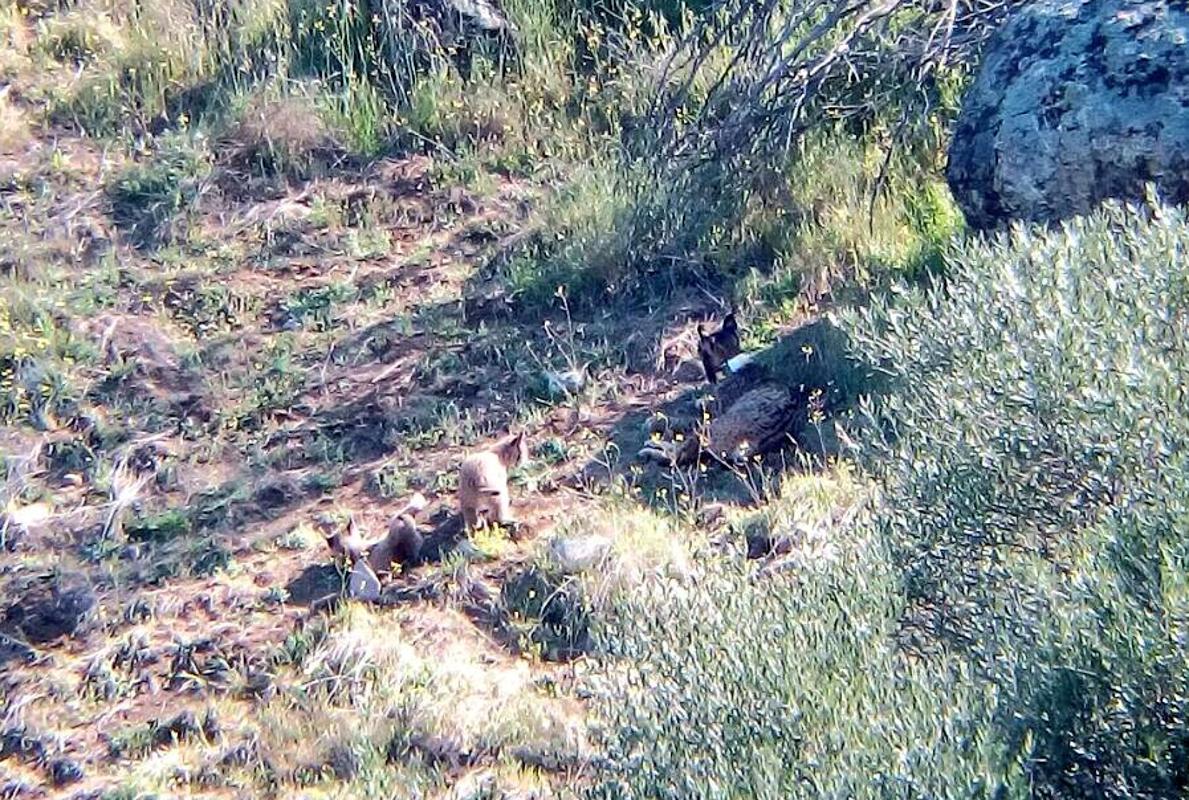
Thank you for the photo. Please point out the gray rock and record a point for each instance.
(363, 584)
(579, 553)
(1075, 102)
(428, 28)
(559, 384)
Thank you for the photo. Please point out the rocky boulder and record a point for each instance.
(1076, 101)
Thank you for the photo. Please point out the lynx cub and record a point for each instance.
(483, 482)
(715, 349)
(402, 543)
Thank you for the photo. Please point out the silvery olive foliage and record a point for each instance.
(788, 687)
(1036, 501)
(1010, 621)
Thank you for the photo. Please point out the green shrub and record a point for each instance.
(163, 527)
(1011, 622)
(1036, 489)
(738, 688)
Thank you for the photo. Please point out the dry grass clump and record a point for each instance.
(284, 136)
(80, 36)
(14, 126)
(15, 38)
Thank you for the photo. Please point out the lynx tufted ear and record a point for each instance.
(513, 450)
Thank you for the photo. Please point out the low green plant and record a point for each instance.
(163, 527)
(549, 613)
(147, 194)
(315, 306)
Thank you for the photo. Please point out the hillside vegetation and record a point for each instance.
(268, 263)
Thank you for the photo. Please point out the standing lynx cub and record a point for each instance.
(483, 482)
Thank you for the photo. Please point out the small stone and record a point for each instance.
(562, 383)
(363, 585)
(579, 553)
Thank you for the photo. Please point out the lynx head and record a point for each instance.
(339, 537)
(716, 348)
(513, 451)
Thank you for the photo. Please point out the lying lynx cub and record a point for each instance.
(483, 483)
(401, 545)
